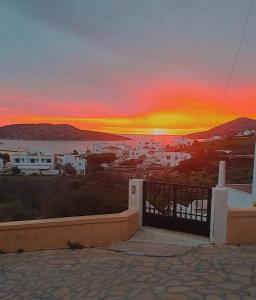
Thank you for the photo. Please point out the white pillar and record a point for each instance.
(222, 174)
(136, 196)
(254, 178)
(219, 215)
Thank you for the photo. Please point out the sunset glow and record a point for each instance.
(124, 69)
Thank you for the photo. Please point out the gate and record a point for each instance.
(177, 207)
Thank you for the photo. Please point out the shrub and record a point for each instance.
(74, 245)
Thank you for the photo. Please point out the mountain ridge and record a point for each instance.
(55, 132)
(230, 128)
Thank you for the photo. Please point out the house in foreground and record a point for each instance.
(34, 161)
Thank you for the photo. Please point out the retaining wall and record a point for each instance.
(89, 231)
(241, 226)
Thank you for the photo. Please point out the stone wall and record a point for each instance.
(89, 231)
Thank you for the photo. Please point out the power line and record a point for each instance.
(230, 75)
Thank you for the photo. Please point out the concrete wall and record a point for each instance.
(219, 212)
(88, 231)
(239, 199)
(241, 226)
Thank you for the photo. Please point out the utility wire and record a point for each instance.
(230, 75)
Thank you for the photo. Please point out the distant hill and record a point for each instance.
(228, 129)
(62, 132)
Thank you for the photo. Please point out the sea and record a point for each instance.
(64, 147)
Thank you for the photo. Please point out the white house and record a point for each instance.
(97, 148)
(181, 141)
(173, 159)
(167, 159)
(78, 163)
(246, 132)
(34, 161)
(215, 138)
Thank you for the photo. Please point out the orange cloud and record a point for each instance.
(166, 107)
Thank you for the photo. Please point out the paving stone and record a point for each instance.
(176, 297)
(61, 292)
(209, 273)
(178, 289)
(230, 286)
(213, 297)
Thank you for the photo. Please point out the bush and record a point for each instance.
(69, 169)
(37, 197)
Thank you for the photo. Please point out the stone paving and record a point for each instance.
(204, 272)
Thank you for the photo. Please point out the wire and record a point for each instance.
(230, 75)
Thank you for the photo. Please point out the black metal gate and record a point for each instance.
(178, 207)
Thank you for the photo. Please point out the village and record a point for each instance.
(143, 155)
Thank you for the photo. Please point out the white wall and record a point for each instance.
(136, 196)
(239, 199)
(79, 164)
(219, 214)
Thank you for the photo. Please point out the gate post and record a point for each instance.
(136, 196)
(219, 215)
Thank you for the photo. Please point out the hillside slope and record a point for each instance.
(228, 129)
(60, 132)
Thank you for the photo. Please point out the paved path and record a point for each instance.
(164, 236)
(205, 272)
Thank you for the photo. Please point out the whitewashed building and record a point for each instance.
(173, 159)
(77, 162)
(246, 132)
(167, 159)
(181, 141)
(215, 138)
(34, 161)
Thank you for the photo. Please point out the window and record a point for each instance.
(48, 160)
(32, 160)
(168, 157)
(42, 160)
(17, 160)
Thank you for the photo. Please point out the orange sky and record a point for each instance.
(165, 108)
(154, 67)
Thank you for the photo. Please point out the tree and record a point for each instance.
(94, 161)
(5, 157)
(15, 171)
(69, 169)
(75, 152)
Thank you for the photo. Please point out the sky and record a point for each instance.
(126, 66)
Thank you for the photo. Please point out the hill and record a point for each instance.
(62, 132)
(227, 129)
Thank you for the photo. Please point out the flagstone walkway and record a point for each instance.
(205, 272)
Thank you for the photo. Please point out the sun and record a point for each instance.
(158, 131)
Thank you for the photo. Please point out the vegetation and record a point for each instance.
(38, 197)
(5, 157)
(15, 171)
(202, 168)
(74, 245)
(94, 161)
(20, 250)
(69, 169)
